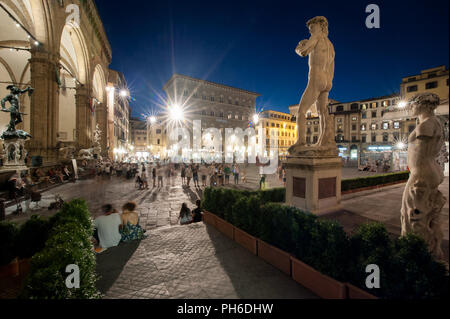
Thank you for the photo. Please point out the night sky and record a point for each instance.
(250, 45)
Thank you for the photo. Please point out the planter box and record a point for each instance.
(275, 256)
(323, 286)
(354, 292)
(245, 240)
(24, 267)
(209, 218)
(225, 227)
(11, 270)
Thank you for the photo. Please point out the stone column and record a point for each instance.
(84, 114)
(44, 106)
(101, 116)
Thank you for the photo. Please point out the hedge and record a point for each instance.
(68, 243)
(8, 236)
(408, 270)
(361, 182)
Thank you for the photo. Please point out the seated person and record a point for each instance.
(107, 227)
(185, 216)
(15, 187)
(59, 175)
(42, 177)
(66, 172)
(197, 214)
(130, 229)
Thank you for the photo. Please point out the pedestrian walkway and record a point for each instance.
(191, 262)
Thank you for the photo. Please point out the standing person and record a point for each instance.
(204, 173)
(262, 180)
(183, 174)
(188, 175)
(185, 216)
(283, 174)
(227, 172)
(236, 174)
(244, 175)
(160, 173)
(144, 179)
(154, 176)
(195, 175)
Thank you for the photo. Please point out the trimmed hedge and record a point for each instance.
(362, 182)
(407, 268)
(69, 243)
(32, 237)
(8, 236)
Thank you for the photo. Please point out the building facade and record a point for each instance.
(65, 60)
(139, 139)
(215, 105)
(284, 127)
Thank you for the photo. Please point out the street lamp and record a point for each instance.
(176, 113)
(256, 119)
(152, 120)
(402, 104)
(123, 93)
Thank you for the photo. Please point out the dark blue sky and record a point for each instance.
(250, 45)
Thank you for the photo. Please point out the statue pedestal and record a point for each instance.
(313, 184)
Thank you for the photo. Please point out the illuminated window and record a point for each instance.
(396, 125)
(385, 126)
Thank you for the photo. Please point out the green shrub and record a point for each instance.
(273, 195)
(32, 237)
(361, 182)
(68, 243)
(8, 235)
(371, 244)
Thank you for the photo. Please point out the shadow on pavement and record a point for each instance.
(111, 262)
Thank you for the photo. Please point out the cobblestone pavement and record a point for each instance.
(191, 262)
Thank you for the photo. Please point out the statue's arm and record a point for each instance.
(305, 47)
(28, 89)
(4, 100)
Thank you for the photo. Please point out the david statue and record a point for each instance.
(422, 201)
(320, 82)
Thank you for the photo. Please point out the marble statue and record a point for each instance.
(86, 154)
(15, 115)
(67, 152)
(320, 81)
(422, 201)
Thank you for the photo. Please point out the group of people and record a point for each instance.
(377, 166)
(112, 227)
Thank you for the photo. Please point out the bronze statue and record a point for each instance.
(14, 110)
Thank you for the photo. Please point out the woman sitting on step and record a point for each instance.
(130, 228)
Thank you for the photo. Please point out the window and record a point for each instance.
(353, 138)
(386, 103)
(354, 118)
(339, 127)
(412, 88)
(316, 129)
(374, 105)
(273, 125)
(396, 125)
(363, 106)
(385, 137)
(230, 116)
(221, 114)
(353, 127)
(212, 113)
(278, 125)
(411, 128)
(339, 120)
(374, 138)
(373, 127)
(159, 141)
(432, 75)
(315, 139)
(396, 136)
(308, 140)
(139, 138)
(203, 97)
(364, 115)
(185, 93)
(212, 98)
(374, 113)
(385, 126)
(158, 131)
(308, 130)
(411, 79)
(339, 108)
(363, 127)
(364, 138)
(237, 103)
(431, 85)
(354, 107)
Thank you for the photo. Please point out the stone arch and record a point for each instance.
(73, 73)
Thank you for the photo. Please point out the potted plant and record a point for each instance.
(9, 266)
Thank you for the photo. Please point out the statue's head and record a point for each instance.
(424, 103)
(318, 24)
(14, 89)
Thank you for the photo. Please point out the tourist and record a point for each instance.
(130, 229)
(227, 172)
(154, 176)
(144, 180)
(188, 175)
(195, 175)
(283, 175)
(244, 175)
(203, 173)
(107, 227)
(197, 214)
(236, 174)
(160, 174)
(220, 175)
(183, 174)
(185, 216)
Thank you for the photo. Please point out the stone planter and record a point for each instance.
(209, 218)
(245, 240)
(275, 256)
(354, 292)
(225, 227)
(323, 286)
(10, 270)
(24, 267)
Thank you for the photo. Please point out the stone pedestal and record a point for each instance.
(313, 184)
(14, 156)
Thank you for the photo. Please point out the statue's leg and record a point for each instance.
(322, 109)
(309, 98)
